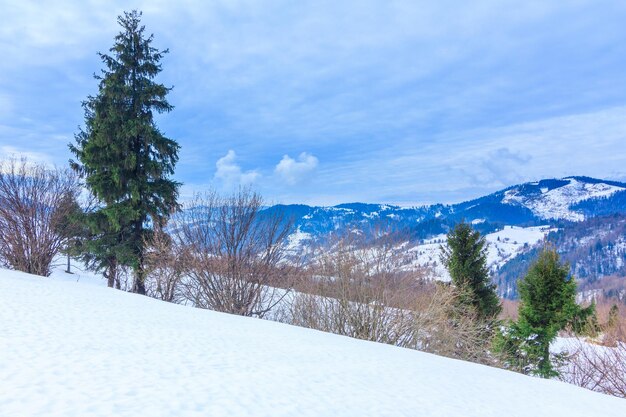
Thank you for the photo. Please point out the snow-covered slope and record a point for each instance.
(68, 349)
(555, 203)
(502, 246)
(506, 244)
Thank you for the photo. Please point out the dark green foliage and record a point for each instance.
(547, 305)
(125, 159)
(465, 257)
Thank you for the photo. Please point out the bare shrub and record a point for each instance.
(233, 253)
(363, 292)
(510, 309)
(598, 368)
(165, 267)
(353, 308)
(455, 330)
(34, 202)
(345, 293)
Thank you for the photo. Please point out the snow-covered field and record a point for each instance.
(69, 349)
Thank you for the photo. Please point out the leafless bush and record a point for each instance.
(359, 291)
(34, 201)
(510, 309)
(165, 267)
(455, 330)
(353, 309)
(599, 364)
(598, 368)
(234, 254)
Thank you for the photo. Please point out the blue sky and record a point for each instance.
(323, 102)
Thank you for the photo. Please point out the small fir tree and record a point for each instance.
(613, 319)
(465, 257)
(547, 305)
(125, 159)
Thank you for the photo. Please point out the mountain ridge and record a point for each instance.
(571, 212)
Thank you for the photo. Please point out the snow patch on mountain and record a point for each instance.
(427, 255)
(511, 241)
(555, 203)
(297, 240)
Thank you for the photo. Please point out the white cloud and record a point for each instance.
(11, 152)
(231, 174)
(292, 170)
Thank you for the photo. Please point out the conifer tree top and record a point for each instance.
(465, 257)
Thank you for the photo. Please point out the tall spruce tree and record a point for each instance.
(124, 158)
(465, 257)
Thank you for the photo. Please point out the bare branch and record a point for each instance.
(34, 202)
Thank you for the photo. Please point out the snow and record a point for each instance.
(555, 203)
(511, 241)
(297, 240)
(570, 345)
(502, 246)
(427, 254)
(69, 349)
(372, 215)
(78, 274)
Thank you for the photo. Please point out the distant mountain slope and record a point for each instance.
(74, 350)
(595, 248)
(556, 199)
(530, 204)
(568, 204)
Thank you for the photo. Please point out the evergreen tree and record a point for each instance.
(72, 228)
(465, 257)
(613, 319)
(125, 159)
(547, 305)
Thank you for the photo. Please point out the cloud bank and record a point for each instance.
(404, 101)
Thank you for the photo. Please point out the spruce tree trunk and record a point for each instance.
(112, 274)
(139, 285)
